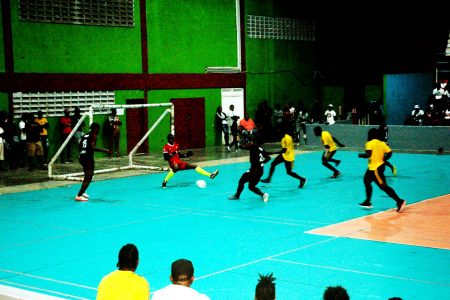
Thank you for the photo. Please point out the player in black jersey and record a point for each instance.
(258, 157)
(87, 149)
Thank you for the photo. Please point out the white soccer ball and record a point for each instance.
(201, 183)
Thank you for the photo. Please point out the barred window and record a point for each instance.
(81, 12)
(53, 104)
(262, 27)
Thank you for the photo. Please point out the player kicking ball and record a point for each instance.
(172, 155)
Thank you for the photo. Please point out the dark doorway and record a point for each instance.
(137, 125)
(189, 122)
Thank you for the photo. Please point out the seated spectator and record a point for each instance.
(247, 126)
(417, 115)
(182, 277)
(330, 113)
(124, 283)
(265, 289)
(432, 116)
(335, 293)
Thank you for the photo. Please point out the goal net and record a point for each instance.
(138, 151)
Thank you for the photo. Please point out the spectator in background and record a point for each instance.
(335, 293)
(65, 123)
(114, 123)
(2, 142)
(23, 141)
(278, 121)
(247, 128)
(263, 120)
(79, 131)
(417, 115)
(43, 124)
(222, 121)
(34, 145)
(124, 283)
(301, 120)
(234, 127)
(265, 288)
(182, 277)
(330, 114)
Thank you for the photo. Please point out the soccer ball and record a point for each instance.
(201, 184)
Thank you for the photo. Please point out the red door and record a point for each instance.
(189, 122)
(137, 125)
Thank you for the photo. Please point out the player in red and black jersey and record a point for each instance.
(172, 155)
(87, 149)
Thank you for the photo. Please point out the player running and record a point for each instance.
(378, 153)
(329, 142)
(172, 155)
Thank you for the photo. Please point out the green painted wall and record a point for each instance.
(278, 71)
(4, 102)
(2, 49)
(187, 36)
(62, 48)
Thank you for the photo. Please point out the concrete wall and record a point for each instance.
(403, 138)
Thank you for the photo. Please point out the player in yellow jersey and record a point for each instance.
(286, 155)
(378, 153)
(329, 142)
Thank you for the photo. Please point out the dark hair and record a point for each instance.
(335, 293)
(317, 130)
(182, 270)
(373, 134)
(395, 298)
(128, 257)
(265, 289)
(94, 126)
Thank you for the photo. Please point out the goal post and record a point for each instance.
(133, 159)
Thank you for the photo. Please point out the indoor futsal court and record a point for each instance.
(308, 238)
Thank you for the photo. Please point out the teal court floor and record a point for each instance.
(52, 245)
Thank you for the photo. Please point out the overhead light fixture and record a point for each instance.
(222, 70)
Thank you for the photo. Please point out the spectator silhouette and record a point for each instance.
(335, 293)
(265, 289)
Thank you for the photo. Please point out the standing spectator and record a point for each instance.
(65, 123)
(335, 293)
(23, 141)
(329, 142)
(114, 132)
(377, 152)
(222, 119)
(265, 289)
(263, 120)
(258, 157)
(330, 114)
(234, 127)
(124, 283)
(43, 124)
(87, 148)
(2, 143)
(182, 277)
(34, 145)
(79, 132)
(286, 156)
(11, 142)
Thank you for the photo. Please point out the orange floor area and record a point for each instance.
(420, 224)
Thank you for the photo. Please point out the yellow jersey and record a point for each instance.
(327, 140)
(123, 285)
(379, 149)
(42, 122)
(288, 143)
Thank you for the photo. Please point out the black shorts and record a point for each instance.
(87, 163)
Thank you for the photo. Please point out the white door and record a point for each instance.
(233, 96)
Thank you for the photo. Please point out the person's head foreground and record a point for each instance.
(182, 272)
(317, 130)
(128, 258)
(265, 289)
(335, 293)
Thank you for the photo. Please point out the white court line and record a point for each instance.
(359, 272)
(28, 295)
(266, 258)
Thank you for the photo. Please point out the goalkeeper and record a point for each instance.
(172, 155)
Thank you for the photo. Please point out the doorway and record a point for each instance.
(189, 122)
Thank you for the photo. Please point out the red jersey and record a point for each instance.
(175, 159)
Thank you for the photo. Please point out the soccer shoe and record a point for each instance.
(265, 180)
(366, 204)
(265, 197)
(302, 183)
(164, 184)
(394, 170)
(401, 205)
(336, 174)
(214, 174)
(228, 149)
(81, 198)
(85, 195)
(233, 197)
